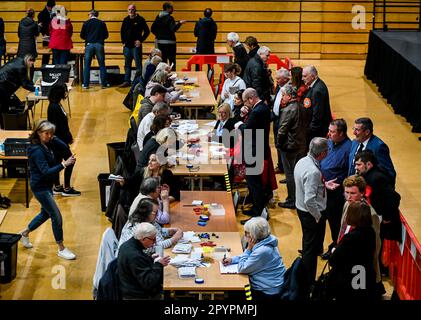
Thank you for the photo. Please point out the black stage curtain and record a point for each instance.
(394, 65)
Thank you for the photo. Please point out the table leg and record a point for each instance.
(26, 183)
(200, 183)
(197, 113)
(68, 104)
(81, 68)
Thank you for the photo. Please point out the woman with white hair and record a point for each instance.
(154, 52)
(241, 56)
(141, 275)
(261, 260)
(61, 30)
(160, 77)
(150, 69)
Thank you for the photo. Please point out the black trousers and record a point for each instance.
(333, 214)
(258, 193)
(45, 57)
(279, 163)
(169, 51)
(312, 241)
(61, 154)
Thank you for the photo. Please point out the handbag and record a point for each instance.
(320, 290)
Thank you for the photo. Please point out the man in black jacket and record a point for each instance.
(44, 20)
(134, 31)
(141, 276)
(258, 76)
(317, 103)
(205, 31)
(240, 54)
(94, 32)
(381, 194)
(164, 28)
(256, 149)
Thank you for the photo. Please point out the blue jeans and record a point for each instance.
(60, 56)
(92, 49)
(130, 54)
(49, 209)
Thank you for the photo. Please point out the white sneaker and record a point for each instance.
(66, 254)
(25, 242)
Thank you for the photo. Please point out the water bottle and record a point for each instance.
(37, 91)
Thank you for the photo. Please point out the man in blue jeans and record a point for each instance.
(94, 32)
(134, 31)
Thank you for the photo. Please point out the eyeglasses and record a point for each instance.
(357, 129)
(152, 239)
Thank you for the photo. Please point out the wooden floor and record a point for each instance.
(98, 117)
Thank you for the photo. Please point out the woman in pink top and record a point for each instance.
(61, 31)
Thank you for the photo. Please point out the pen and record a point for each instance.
(225, 256)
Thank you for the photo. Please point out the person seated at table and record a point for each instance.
(141, 275)
(154, 52)
(160, 77)
(147, 104)
(224, 126)
(164, 144)
(150, 69)
(356, 248)
(146, 211)
(261, 260)
(58, 117)
(159, 108)
(153, 169)
(152, 188)
(159, 123)
(232, 83)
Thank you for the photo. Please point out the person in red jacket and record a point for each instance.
(61, 31)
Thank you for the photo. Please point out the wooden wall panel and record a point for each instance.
(305, 29)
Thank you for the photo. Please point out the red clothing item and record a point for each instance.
(301, 92)
(61, 34)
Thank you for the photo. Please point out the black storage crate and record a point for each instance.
(16, 146)
(9, 247)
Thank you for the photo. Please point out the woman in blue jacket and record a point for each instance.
(261, 261)
(43, 169)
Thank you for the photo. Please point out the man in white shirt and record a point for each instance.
(160, 108)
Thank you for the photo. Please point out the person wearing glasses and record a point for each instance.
(134, 31)
(257, 75)
(141, 275)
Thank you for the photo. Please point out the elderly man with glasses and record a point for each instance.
(141, 275)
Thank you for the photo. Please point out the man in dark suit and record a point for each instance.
(240, 54)
(381, 194)
(256, 149)
(205, 30)
(365, 139)
(317, 103)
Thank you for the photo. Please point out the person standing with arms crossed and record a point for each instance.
(134, 31)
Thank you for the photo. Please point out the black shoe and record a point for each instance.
(286, 205)
(106, 86)
(325, 256)
(283, 181)
(300, 251)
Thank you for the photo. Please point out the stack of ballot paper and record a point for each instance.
(182, 248)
